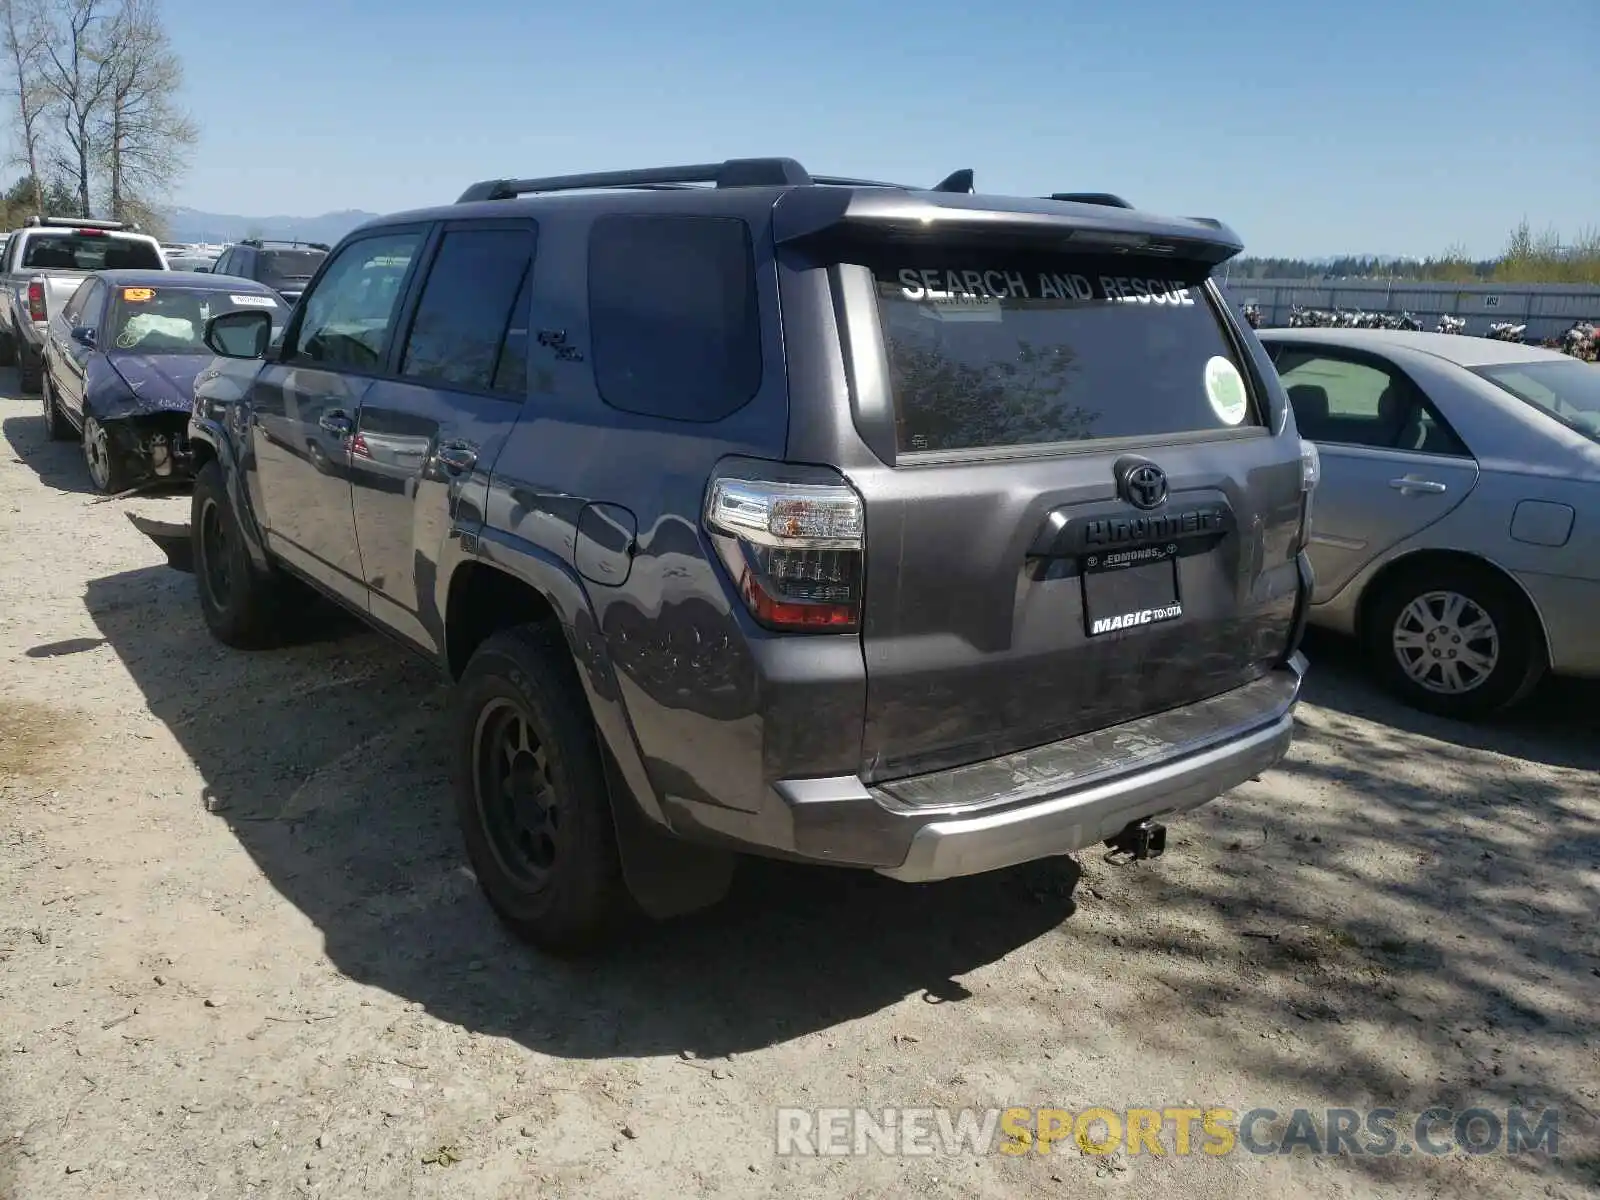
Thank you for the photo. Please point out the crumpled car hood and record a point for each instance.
(132, 385)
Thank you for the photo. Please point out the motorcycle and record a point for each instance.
(1507, 331)
(1310, 318)
(1252, 314)
(1582, 341)
(1448, 324)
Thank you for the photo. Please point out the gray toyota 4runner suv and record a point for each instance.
(903, 529)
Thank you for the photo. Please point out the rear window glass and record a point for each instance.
(280, 267)
(1568, 390)
(988, 353)
(88, 252)
(675, 330)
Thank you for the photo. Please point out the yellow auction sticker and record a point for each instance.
(138, 295)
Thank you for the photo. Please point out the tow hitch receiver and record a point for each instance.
(1140, 840)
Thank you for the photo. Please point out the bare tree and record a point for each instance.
(78, 73)
(143, 137)
(26, 33)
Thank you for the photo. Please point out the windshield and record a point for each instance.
(1569, 391)
(988, 350)
(282, 268)
(89, 252)
(172, 320)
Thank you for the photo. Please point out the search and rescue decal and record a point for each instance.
(951, 286)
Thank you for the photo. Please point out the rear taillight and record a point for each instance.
(36, 310)
(793, 550)
(1310, 465)
(1310, 476)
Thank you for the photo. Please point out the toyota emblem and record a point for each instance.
(1144, 485)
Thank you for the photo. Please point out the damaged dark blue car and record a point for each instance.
(120, 363)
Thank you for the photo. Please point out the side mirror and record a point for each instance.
(239, 334)
(84, 336)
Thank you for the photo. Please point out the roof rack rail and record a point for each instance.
(1105, 198)
(735, 172)
(262, 243)
(37, 222)
(847, 181)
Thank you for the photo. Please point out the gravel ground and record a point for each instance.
(241, 954)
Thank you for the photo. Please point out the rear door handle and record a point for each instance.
(458, 456)
(336, 422)
(1408, 484)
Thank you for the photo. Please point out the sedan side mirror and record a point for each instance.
(84, 336)
(239, 334)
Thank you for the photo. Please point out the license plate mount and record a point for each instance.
(1129, 589)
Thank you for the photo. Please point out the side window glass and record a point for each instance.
(511, 369)
(1430, 435)
(348, 317)
(674, 326)
(89, 302)
(75, 306)
(1345, 402)
(473, 302)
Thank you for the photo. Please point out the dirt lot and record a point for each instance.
(240, 952)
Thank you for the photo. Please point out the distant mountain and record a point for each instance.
(192, 225)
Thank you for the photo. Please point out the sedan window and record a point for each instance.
(1568, 391)
(1343, 401)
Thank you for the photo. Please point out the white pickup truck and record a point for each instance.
(43, 264)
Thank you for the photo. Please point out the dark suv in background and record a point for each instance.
(893, 528)
(285, 267)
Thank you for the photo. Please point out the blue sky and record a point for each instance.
(1342, 125)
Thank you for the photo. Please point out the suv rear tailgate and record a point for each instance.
(1076, 513)
(975, 641)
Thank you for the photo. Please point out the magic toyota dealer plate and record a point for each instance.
(1127, 589)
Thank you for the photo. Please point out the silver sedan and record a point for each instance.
(1456, 528)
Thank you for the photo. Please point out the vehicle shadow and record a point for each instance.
(329, 762)
(59, 465)
(1559, 725)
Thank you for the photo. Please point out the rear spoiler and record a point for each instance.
(811, 215)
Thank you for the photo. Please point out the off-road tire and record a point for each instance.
(1521, 659)
(243, 611)
(576, 907)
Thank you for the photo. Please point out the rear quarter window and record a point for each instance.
(987, 352)
(674, 325)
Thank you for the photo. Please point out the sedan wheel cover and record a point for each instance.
(1446, 643)
(97, 453)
